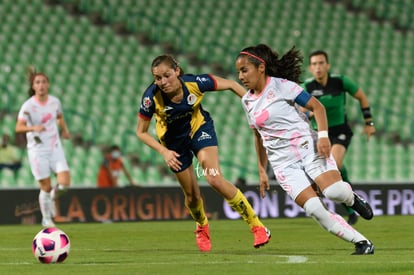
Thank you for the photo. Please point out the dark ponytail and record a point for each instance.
(289, 66)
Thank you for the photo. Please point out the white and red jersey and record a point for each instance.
(284, 128)
(34, 112)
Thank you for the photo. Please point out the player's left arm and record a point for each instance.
(261, 163)
(369, 128)
(62, 124)
(307, 112)
(228, 84)
(319, 112)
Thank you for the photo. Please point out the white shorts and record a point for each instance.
(297, 176)
(44, 162)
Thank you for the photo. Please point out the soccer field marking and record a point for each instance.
(277, 259)
(282, 259)
(288, 260)
(297, 259)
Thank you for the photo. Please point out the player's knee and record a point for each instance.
(340, 192)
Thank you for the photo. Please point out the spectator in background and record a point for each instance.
(39, 117)
(111, 168)
(331, 91)
(9, 155)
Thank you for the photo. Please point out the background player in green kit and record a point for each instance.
(331, 91)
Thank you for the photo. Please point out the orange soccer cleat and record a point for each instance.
(261, 236)
(203, 238)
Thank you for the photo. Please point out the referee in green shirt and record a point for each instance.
(331, 91)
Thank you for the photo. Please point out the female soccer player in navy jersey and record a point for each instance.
(300, 157)
(39, 117)
(185, 129)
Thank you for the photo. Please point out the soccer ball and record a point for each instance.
(51, 245)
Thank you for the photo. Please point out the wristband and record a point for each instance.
(323, 134)
(366, 112)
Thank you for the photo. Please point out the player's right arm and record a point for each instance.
(23, 117)
(169, 156)
(21, 127)
(145, 137)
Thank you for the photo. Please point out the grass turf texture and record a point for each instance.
(298, 246)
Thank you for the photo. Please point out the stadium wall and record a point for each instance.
(167, 203)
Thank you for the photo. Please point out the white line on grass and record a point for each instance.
(288, 261)
(276, 259)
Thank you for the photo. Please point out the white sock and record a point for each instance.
(332, 222)
(45, 203)
(340, 191)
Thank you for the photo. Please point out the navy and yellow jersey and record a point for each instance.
(332, 96)
(176, 121)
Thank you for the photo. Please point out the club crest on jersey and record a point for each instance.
(270, 96)
(146, 102)
(191, 99)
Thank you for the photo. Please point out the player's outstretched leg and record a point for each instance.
(336, 225)
(240, 204)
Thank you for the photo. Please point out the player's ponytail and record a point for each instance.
(289, 66)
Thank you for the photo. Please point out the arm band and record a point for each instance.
(303, 98)
(366, 112)
(323, 134)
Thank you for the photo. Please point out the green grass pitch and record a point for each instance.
(298, 246)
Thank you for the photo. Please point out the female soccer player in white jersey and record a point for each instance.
(300, 157)
(39, 117)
